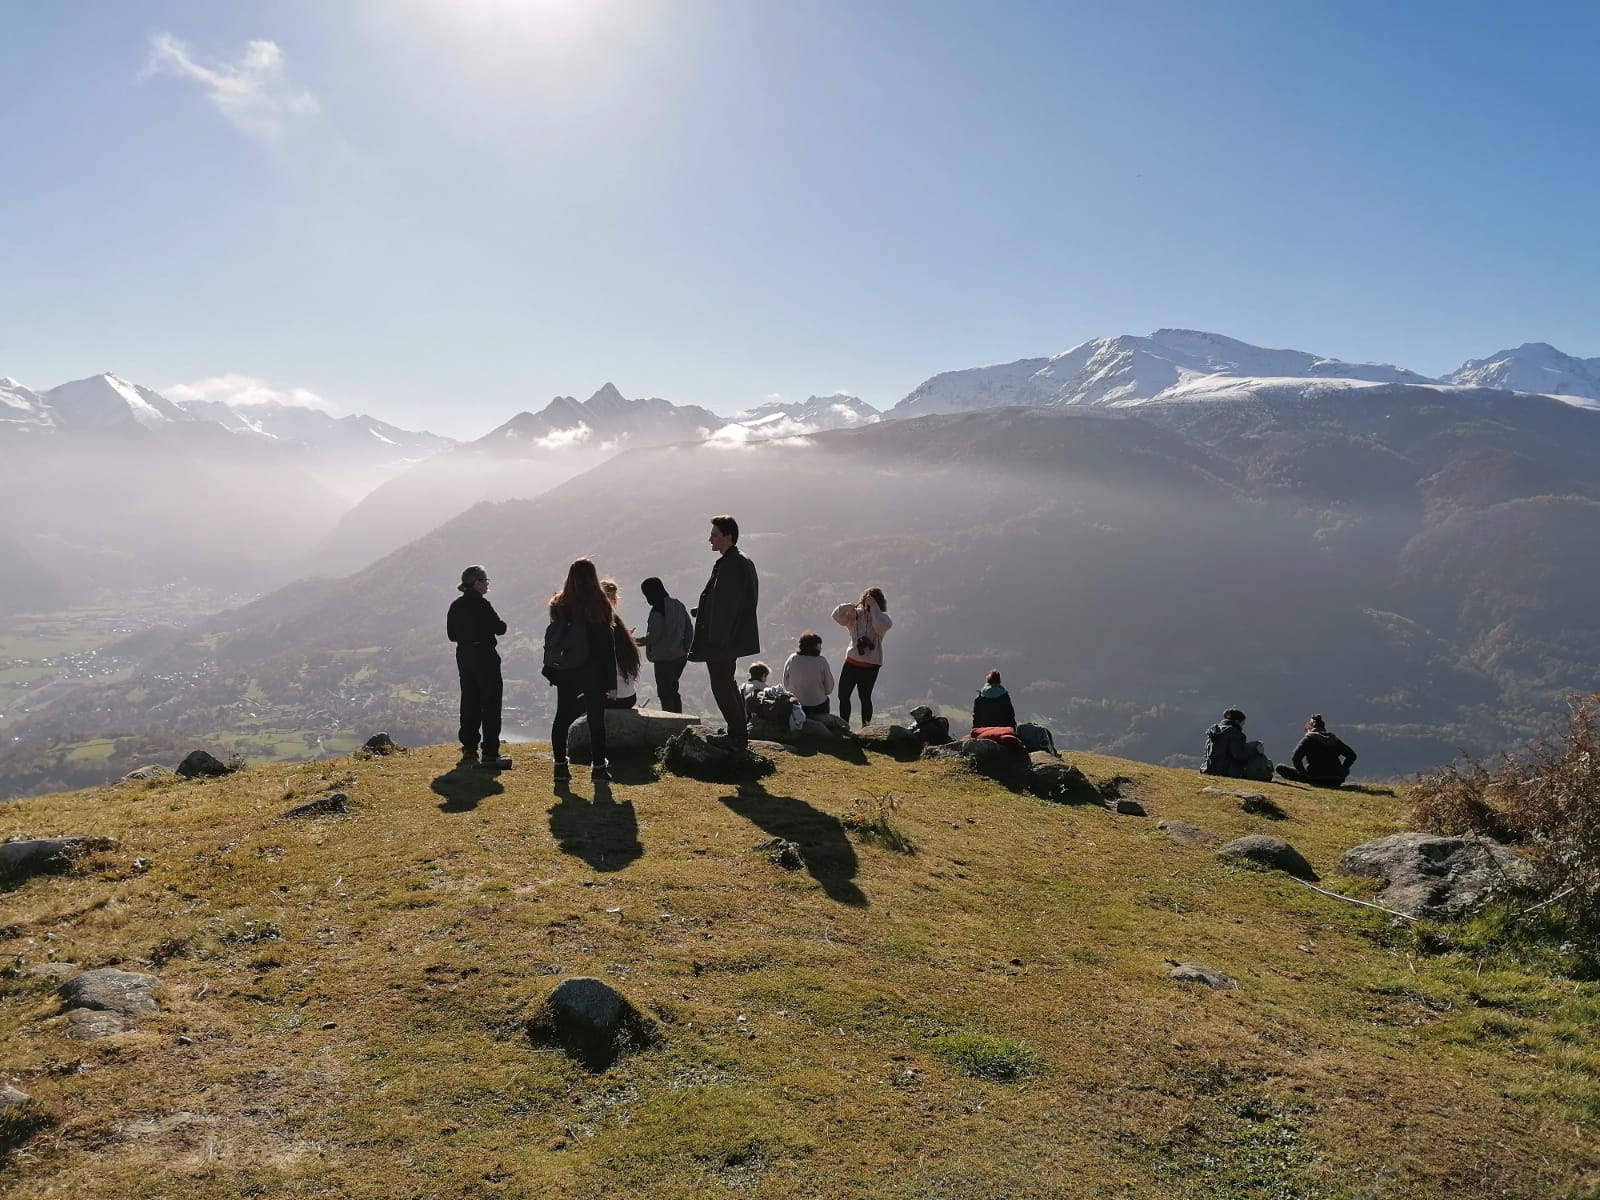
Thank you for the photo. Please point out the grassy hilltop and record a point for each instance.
(344, 999)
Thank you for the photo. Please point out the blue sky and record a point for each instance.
(444, 211)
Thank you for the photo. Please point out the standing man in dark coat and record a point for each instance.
(473, 625)
(725, 624)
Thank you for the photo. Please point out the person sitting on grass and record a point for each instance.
(1321, 759)
(1228, 754)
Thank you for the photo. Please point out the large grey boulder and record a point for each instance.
(47, 854)
(1268, 854)
(591, 1021)
(891, 739)
(701, 755)
(629, 731)
(1424, 875)
(1051, 779)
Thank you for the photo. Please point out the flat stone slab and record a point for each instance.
(1268, 854)
(1196, 973)
(11, 1097)
(1444, 878)
(151, 771)
(630, 731)
(88, 1024)
(1186, 834)
(127, 993)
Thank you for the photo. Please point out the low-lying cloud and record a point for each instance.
(252, 93)
(237, 391)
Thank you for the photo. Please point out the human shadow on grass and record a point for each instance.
(829, 856)
(602, 832)
(464, 787)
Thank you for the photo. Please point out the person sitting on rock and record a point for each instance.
(1230, 755)
(808, 677)
(626, 693)
(992, 707)
(752, 687)
(1321, 759)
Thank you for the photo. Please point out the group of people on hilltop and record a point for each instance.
(1321, 758)
(593, 658)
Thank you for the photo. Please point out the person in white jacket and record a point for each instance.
(808, 677)
(867, 622)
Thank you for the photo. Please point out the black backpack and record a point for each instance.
(566, 646)
(774, 704)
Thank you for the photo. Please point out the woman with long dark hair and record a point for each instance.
(581, 620)
(866, 621)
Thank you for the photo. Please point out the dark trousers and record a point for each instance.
(815, 710)
(860, 678)
(667, 675)
(572, 699)
(729, 701)
(1327, 781)
(481, 687)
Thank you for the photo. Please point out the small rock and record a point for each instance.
(107, 989)
(699, 755)
(1187, 834)
(11, 1097)
(148, 772)
(88, 1024)
(1195, 973)
(47, 854)
(321, 807)
(783, 853)
(198, 764)
(591, 1021)
(381, 743)
(1258, 805)
(1127, 808)
(1268, 853)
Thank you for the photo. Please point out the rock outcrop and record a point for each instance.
(36, 855)
(106, 1001)
(629, 731)
(1444, 878)
(700, 755)
(198, 764)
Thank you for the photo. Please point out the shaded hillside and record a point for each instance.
(344, 1000)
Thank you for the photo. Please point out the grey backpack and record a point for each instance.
(566, 646)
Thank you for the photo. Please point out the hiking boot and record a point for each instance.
(599, 773)
(563, 773)
(469, 758)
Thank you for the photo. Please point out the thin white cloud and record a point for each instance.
(238, 390)
(252, 93)
(558, 439)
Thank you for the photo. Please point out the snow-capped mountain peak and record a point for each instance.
(1533, 367)
(1127, 370)
(104, 400)
(21, 407)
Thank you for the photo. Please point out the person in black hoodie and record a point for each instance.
(725, 625)
(582, 689)
(1321, 759)
(992, 707)
(668, 635)
(1228, 754)
(473, 625)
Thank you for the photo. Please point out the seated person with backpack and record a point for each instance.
(1228, 754)
(992, 708)
(1321, 759)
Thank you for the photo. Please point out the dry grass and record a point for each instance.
(986, 1017)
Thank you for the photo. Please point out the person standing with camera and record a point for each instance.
(866, 621)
